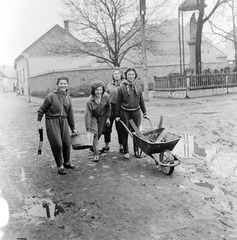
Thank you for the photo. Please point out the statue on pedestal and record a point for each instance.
(193, 27)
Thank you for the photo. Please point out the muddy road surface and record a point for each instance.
(118, 199)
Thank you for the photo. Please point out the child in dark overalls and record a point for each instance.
(59, 116)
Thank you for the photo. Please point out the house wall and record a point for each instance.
(211, 53)
(230, 50)
(84, 77)
(40, 65)
(230, 47)
(22, 75)
(167, 45)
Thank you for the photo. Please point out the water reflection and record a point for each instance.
(205, 184)
(46, 209)
(221, 163)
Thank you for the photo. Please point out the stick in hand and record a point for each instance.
(40, 141)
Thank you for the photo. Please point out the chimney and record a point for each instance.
(66, 25)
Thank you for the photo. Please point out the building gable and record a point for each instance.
(51, 42)
(165, 38)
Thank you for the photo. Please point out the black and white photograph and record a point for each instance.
(118, 120)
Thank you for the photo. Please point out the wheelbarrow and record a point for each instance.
(158, 144)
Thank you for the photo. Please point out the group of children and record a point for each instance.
(121, 100)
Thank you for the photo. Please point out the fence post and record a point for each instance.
(188, 85)
(226, 82)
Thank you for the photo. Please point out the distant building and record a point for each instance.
(41, 63)
(8, 79)
(162, 41)
(167, 45)
(43, 56)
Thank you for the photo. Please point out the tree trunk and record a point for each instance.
(116, 62)
(199, 38)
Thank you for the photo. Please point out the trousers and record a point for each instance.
(97, 125)
(108, 129)
(59, 139)
(125, 116)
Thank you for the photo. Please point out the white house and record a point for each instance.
(8, 79)
(41, 56)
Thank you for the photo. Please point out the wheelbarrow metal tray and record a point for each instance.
(82, 140)
(148, 147)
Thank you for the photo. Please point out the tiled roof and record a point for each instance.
(51, 42)
(56, 33)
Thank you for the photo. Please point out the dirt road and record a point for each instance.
(117, 198)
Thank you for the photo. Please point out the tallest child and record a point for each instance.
(130, 103)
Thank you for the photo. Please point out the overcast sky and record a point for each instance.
(22, 22)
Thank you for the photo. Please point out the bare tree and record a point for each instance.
(114, 25)
(202, 19)
(230, 33)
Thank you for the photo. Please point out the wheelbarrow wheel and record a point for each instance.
(167, 158)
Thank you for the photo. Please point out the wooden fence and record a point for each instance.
(195, 82)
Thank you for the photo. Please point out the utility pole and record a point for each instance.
(234, 31)
(144, 57)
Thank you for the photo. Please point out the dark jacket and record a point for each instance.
(130, 98)
(96, 110)
(57, 105)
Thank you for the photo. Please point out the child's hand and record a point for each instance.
(108, 122)
(75, 132)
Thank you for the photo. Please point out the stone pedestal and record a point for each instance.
(192, 54)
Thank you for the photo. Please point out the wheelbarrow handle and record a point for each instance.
(130, 133)
(147, 118)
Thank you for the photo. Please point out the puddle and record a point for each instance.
(204, 184)
(228, 204)
(46, 209)
(220, 163)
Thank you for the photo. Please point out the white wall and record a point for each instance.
(40, 65)
(22, 75)
(230, 50)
